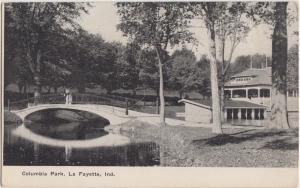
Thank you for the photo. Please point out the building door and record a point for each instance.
(243, 113)
(249, 111)
(262, 114)
(256, 114)
(229, 114)
(235, 113)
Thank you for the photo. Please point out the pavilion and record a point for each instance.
(252, 85)
(247, 96)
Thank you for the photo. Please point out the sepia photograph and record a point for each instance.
(150, 84)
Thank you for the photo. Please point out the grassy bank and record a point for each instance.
(10, 118)
(190, 146)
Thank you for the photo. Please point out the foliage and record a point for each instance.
(231, 28)
(203, 75)
(128, 66)
(35, 24)
(155, 23)
(186, 73)
(182, 71)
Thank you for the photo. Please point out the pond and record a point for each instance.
(71, 137)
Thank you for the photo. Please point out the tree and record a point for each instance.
(86, 56)
(244, 62)
(203, 75)
(108, 78)
(128, 66)
(210, 12)
(231, 28)
(275, 14)
(183, 71)
(11, 50)
(148, 73)
(279, 67)
(155, 25)
(34, 23)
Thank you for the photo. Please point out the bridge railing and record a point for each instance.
(77, 98)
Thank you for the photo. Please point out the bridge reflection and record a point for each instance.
(20, 151)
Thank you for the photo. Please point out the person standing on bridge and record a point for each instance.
(68, 96)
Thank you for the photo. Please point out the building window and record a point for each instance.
(252, 93)
(264, 93)
(239, 93)
(227, 94)
(243, 79)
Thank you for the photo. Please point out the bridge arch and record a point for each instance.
(101, 110)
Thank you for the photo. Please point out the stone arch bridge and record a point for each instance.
(115, 115)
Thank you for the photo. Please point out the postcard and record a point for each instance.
(150, 94)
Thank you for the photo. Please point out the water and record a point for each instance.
(65, 142)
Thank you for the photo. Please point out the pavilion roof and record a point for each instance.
(259, 77)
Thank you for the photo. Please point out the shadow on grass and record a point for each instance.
(280, 144)
(240, 137)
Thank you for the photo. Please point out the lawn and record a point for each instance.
(190, 146)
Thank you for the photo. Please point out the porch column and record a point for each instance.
(258, 95)
(239, 113)
(258, 114)
(231, 113)
(225, 114)
(246, 93)
(253, 113)
(265, 114)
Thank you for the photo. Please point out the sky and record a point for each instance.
(103, 19)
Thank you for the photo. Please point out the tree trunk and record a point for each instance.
(279, 117)
(161, 90)
(20, 87)
(180, 94)
(49, 89)
(36, 77)
(157, 100)
(216, 112)
(25, 89)
(37, 83)
(222, 99)
(37, 89)
(55, 89)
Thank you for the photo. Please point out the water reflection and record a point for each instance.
(66, 124)
(18, 151)
(68, 131)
